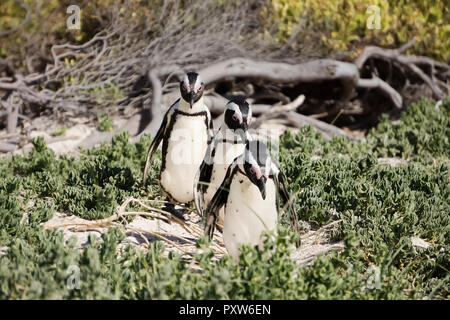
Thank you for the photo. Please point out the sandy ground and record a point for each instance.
(141, 232)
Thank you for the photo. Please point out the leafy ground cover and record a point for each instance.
(382, 205)
(342, 24)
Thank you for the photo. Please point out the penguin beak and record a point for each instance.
(261, 184)
(243, 132)
(191, 100)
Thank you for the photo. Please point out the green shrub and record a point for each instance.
(105, 122)
(381, 207)
(341, 24)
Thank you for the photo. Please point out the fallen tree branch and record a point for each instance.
(311, 71)
(285, 114)
(153, 76)
(297, 120)
(410, 63)
(386, 89)
(12, 107)
(217, 104)
(81, 225)
(118, 57)
(8, 147)
(156, 114)
(373, 51)
(288, 107)
(278, 110)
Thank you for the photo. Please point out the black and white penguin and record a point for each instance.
(185, 132)
(249, 193)
(228, 143)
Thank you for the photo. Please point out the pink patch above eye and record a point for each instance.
(186, 86)
(237, 117)
(197, 87)
(256, 172)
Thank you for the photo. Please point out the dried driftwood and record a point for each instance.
(143, 70)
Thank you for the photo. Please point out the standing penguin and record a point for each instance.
(184, 132)
(249, 194)
(228, 143)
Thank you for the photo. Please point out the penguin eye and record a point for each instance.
(235, 117)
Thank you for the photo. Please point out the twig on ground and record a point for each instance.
(190, 228)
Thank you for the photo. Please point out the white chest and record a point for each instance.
(247, 215)
(186, 148)
(224, 155)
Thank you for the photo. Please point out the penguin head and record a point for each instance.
(238, 116)
(257, 164)
(191, 87)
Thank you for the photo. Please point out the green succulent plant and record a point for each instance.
(381, 206)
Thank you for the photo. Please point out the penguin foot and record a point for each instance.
(210, 226)
(170, 208)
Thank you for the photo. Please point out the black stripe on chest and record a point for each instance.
(223, 141)
(169, 129)
(209, 170)
(231, 141)
(239, 170)
(197, 114)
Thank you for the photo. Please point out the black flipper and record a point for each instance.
(219, 199)
(201, 180)
(156, 141)
(210, 128)
(203, 177)
(284, 194)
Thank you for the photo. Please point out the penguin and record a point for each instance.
(249, 195)
(185, 132)
(227, 144)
